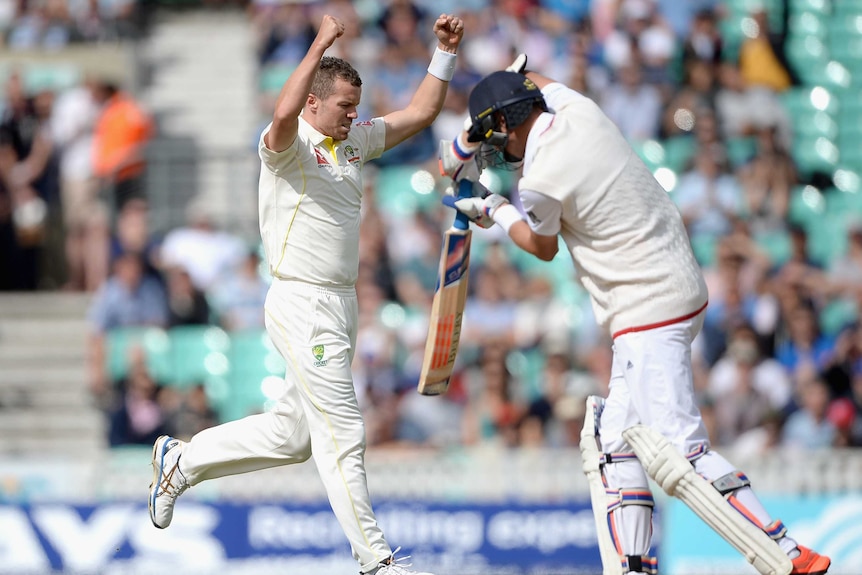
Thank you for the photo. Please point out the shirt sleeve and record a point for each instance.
(274, 161)
(543, 213)
(559, 95)
(371, 137)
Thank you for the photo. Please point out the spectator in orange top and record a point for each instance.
(122, 131)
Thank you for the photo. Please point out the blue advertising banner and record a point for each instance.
(828, 524)
(210, 538)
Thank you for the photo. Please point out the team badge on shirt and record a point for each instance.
(352, 154)
(317, 351)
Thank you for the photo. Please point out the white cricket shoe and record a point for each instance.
(393, 566)
(168, 481)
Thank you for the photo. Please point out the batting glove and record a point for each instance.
(458, 161)
(519, 65)
(480, 211)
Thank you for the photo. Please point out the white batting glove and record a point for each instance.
(458, 160)
(481, 210)
(519, 65)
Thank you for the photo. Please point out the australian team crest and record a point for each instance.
(317, 351)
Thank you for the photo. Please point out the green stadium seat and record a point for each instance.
(776, 244)
(809, 98)
(808, 124)
(254, 364)
(704, 248)
(401, 191)
(679, 152)
(808, 23)
(819, 7)
(848, 183)
(740, 150)
(845, 8)
(153, 340)
(652, 153)
(198, 352)
(827, 238)
(837, 315)
(807, 205)
(815, 154)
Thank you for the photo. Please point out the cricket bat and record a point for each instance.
(447, 308)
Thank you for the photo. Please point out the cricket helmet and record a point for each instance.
(509, 94)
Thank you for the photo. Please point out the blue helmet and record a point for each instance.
(509, 94)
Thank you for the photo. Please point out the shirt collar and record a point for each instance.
(315, 137)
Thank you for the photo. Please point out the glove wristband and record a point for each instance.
(506, 215)
(463, 150)
(442, 65)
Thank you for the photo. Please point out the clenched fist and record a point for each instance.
(330, 29)
(449, 31)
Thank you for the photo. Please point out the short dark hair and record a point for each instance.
(331, 68)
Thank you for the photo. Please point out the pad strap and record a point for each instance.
(776, 530)
(619, 497)
(639, 564)
(727, 484)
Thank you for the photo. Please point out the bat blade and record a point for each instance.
(447, 311)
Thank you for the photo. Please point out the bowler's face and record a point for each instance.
(336, 113)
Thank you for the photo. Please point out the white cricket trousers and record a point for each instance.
(652, 384)
(314, 329)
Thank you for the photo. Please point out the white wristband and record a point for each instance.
(506, 216)
(442, 65)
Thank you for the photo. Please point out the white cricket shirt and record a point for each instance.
(309, 203)
(625, 235)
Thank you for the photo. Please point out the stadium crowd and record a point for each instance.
(779, 361)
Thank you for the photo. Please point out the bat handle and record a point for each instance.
(465, 190)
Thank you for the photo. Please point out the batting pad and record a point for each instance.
(675, 474)
(591, 456)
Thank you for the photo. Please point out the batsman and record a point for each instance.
(582, 182)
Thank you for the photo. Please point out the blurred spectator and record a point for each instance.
(759, 441)
(488, 315)
(804, 343)
(132, 235)
(284, 32)
(845, 271)
(399, 71)
(122, 132)
(767, 182)
(186, 412)
(128, 298)
(492, 412)
(708, 196)
(761, 55)
(641, 35)
(808, 427)
(841, 413)
(634, 106)
(187, 305)
(136, 416)
(29, 170)
(692, 100)
(703, 41)
(86, 218)
(856, 398)
(237, 301)
(200, 248)
(746, 386)
(735, 295)
(744, 109)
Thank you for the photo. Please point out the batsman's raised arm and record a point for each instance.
(428, 99)
(295, 92)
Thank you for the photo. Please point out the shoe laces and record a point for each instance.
(170, 488)
(395, 565)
